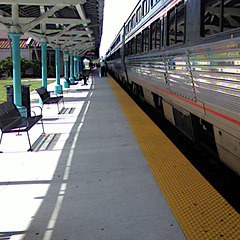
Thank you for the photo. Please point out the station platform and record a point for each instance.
(104, 171)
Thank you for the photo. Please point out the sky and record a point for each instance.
(115, 13)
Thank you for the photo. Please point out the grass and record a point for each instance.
(35, 83)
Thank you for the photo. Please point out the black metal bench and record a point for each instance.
(47, 99)
(12, 121)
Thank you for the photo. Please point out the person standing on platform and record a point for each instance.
(103, 68)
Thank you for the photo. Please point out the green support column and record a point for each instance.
(44, 64)
(71, 68)
(58, 87)
(65, 59)
(75, 66)
(17, 88)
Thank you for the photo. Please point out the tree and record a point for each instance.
(6, 66)
(34, 66)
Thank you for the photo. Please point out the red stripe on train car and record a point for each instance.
(192, 103)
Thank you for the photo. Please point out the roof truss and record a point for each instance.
(61, 23)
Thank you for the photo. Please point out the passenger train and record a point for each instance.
(183, 58)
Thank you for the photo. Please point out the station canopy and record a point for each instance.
(74, 26)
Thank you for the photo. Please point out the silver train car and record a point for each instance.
(183, 58)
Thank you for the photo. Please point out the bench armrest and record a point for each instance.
(34, 112)
(53, 93)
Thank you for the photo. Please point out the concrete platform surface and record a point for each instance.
(86, 179)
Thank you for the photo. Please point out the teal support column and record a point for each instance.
(17, 87)
(81, 65)
(44, 64)
(78, 65)
(58, 86)
(65, 59)
(71, 68)
(75, 66)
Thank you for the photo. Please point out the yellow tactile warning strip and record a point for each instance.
(200, 210)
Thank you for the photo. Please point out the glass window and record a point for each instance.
(219, 16)
(162, 31)
(153, 35)
(231, 14)
(146, 40)
(211, 17)
(138, 15)
(176, 24)
(172, 27)
(155, 32)
(129, 48)
(139, 43)
(158, 34)
(133, 21)
(133, 45)
(152, 2)
(180, 23)
(144, 8)
(126, 49)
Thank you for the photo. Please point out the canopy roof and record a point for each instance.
(71, 25)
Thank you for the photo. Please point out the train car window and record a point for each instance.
(146, 40)
(172, 27)
(180, 21)
(144, 8)
(153, 30)
(176, 24)
(133, 21)
(139, 43)
(129, 26)
(138, 15)
(126, 49)
(219, 16)
(211, 12)
(162, 31)
(129, 48)
(152, 2)
(155, 34)
(126, 31)
(117, 54)
(231, 14)
(158, 34)
(133, 46)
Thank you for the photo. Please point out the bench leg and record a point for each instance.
(42, 126)
(30, 149)
(58, 108)
(1, 140)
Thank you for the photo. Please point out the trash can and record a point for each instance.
(25, 96)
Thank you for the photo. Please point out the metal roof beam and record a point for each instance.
(59, 34)
(44, 2)
(79, 32)
(72, 40)
(3, 27)
(43, 17)
(66, 21)
(82, 15)
(81, 46)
